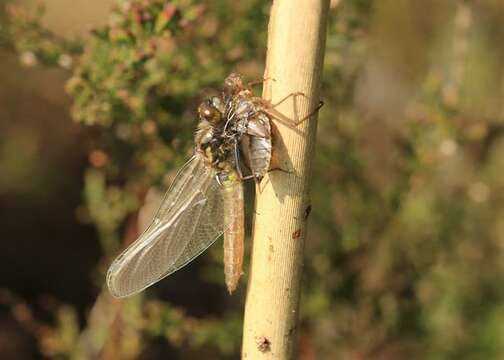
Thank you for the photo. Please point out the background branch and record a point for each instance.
(296, 42)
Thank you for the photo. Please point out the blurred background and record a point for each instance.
(405, 252)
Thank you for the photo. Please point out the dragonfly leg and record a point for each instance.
(292, 123)
(248, 177)
(252, 83)
(280, 169)
(293, 94)
(313, 112)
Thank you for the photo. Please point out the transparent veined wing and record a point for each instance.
(188, 221)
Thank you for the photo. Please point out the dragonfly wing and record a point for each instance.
(189, 220)
(210, 226)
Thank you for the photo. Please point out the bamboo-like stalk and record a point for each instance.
(296, 42)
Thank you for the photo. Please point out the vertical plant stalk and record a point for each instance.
(296, 42)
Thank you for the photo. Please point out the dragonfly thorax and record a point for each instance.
(216, 146)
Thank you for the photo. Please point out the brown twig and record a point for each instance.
(296, 42)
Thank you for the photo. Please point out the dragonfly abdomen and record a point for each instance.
(234, 234)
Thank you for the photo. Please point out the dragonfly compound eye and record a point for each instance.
(217, 103)
(207, 111)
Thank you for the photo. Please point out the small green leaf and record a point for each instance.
(164, 17)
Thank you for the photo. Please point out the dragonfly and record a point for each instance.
(233, 143)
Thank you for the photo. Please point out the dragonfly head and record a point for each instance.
(211, 110)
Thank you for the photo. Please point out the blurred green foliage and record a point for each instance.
(21, 29)
(406, 249)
